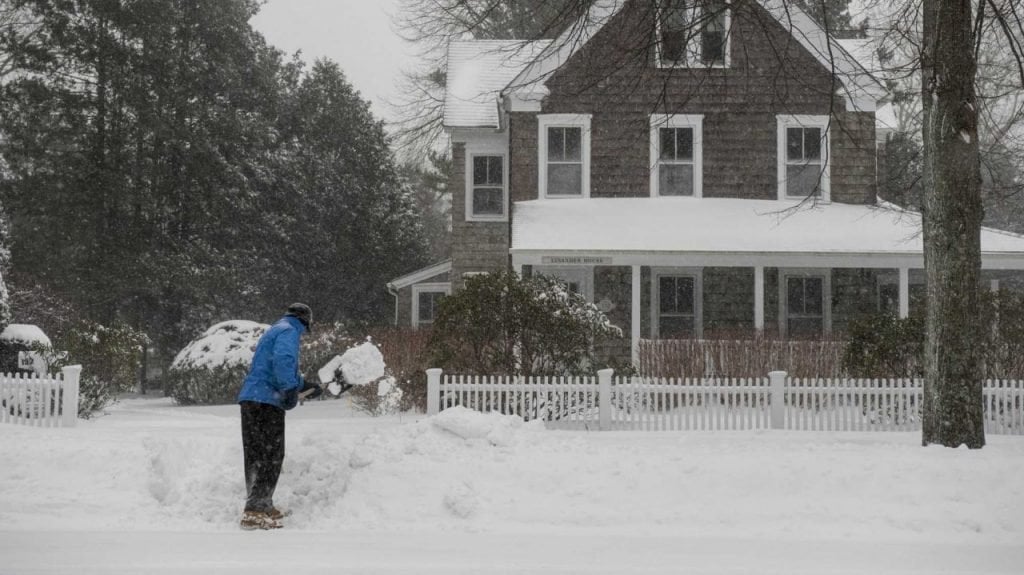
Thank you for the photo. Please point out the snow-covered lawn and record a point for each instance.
(156, 488)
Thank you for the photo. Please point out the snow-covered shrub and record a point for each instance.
(503, 324)
(110, 358)
(210, 369)
(17, 338)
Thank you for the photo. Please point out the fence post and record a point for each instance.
(434, 390)
(604, 399)
(69, 403)
(778, 399)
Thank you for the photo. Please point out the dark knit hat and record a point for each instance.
(302, 312)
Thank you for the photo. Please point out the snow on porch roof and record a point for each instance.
(478, 70)
(734, 226)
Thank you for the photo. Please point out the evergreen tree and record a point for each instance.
(165, 167)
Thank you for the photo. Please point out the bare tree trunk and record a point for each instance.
(952, 228)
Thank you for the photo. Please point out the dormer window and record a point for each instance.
(693, 33)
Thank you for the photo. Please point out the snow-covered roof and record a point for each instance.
(862, 89)
(865, 52)
(712, 225)
(478, 70)
(27, 334)
(420, 275)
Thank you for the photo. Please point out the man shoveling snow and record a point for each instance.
(272, 386)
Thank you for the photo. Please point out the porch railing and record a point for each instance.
(740, 357)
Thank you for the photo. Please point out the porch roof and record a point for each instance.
(713, 226)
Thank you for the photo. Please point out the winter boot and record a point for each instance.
(277, 515)
(252, 520)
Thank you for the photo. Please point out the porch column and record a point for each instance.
(759, 298)
(904, 293)
(635, 316)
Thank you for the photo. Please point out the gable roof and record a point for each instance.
(863, 91)
(420, 275)
(478, 70)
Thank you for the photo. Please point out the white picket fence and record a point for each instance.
(775, 402)
(40, 400)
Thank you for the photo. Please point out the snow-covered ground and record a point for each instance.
(155, 488)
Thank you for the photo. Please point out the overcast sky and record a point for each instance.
(357, 34)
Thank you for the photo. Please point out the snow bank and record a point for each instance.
(151, 466)
(226, 344)
(25, 334)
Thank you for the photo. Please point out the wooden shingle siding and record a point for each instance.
(476, 246)
(770, 74)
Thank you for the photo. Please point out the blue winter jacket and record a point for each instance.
(274, 376)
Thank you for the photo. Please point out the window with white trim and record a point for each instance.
(806, 299)
(676, 155)
(488, 189)
(425, 300)
(676, 313)
(564, 155)
(693, 33)
(888, 291)
(804, 157)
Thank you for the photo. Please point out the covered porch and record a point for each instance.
(711, 268)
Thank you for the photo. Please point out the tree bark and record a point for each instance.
(953, 404)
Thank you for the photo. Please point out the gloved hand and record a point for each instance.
(290, 399)
(314, 390)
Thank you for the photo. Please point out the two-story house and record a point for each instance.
(692, 167)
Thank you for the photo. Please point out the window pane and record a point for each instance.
(684, 143)
(675, 180)
(556, 144)
(674, 29)
(812, 143)
(573, 144)
(814, 296)
(496, 170)
(565, 179)
(428, 306)
(794, 143)
(479, 170)
(668, 143)
(488, 201)
(676, 295)
(795, 295)
(487, 170)
(803, 180)
(713, 36)
(674, 327)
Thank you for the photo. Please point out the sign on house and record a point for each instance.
(576, 260)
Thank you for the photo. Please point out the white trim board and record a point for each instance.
(421, 275)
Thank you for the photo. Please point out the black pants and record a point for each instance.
(263, 448)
